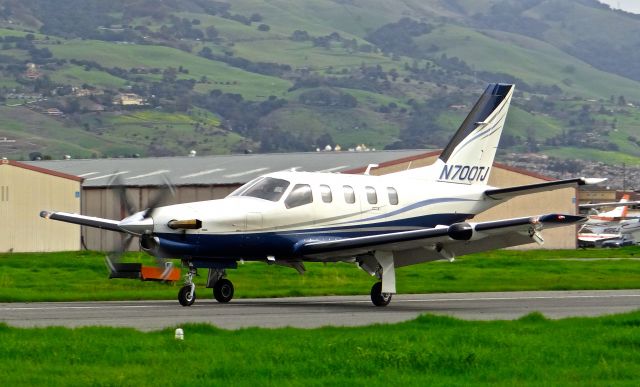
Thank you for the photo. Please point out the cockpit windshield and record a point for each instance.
(267, 188)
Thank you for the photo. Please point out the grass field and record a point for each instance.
(228, 79)
(347, 127)
(531, 60)
(427, 351)
(83, 276)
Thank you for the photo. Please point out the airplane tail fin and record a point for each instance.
(468, 158)
(618, 212)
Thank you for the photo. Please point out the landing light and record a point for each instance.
(189, 224)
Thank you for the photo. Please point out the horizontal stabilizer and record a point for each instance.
(609, 204)
(507, 193)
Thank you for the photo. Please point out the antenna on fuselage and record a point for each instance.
(368, 170)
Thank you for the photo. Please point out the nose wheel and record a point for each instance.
(187, 293)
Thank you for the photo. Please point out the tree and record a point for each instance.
(169, 75)
(211, 32)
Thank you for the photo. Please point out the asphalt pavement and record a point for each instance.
(311, 312)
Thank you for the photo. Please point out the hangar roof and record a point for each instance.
(40, 169)
(215, 170)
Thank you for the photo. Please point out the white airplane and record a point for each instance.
(614, 224)
(377, 222)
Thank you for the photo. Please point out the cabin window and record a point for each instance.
(325, 192)
(349, 195)
(372, 196)
(393, 195)
(299, 196)
(240, 190)
(267, 188)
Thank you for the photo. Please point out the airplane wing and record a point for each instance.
(506, 193)
(416, 246)
(609, 204)
(83, 220)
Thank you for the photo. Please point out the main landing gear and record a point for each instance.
(222, 287)
(378, 297)
(223, 290)
(380, 264)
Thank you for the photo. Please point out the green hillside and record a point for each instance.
(282, 75)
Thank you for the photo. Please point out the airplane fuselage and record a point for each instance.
(254, 224)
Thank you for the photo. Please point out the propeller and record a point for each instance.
(140, 224)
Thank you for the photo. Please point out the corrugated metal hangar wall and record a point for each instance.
(24, 192)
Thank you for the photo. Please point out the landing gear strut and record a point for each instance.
(187, 293)
(378, 297)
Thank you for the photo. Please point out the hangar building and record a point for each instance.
(24, 191)
(214, 177)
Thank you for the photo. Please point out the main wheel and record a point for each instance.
(377, 297)
(185, 297)
(223, 290)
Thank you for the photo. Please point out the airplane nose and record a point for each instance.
(137, 224)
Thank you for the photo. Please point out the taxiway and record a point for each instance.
(310, 312)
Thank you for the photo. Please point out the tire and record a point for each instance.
(223, 290)
(377, 297)
(184, 296)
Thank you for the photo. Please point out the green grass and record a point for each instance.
(252, 86)
(592, 154)
(113, 134)
(347, 127)
(430, 350)
(50, 136)
(530, 60)
(83, 276)
(76, 75)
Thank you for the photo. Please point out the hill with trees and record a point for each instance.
(89, 78)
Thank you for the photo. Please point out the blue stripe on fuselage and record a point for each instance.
(259, 245)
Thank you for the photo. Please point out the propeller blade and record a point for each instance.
(166, 190)
(118, 269)
(117, 184)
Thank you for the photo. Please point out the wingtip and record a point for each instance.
(593, 180)
(45, 214)
(562, 218)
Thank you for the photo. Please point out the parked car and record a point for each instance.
(611, 243)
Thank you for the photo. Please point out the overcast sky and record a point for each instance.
(627, 5)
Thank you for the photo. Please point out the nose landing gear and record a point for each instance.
(187, 293)
(222, 287)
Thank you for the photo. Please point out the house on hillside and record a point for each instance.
(129, 99)
(32, 72)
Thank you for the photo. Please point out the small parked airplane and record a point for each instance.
(377, 222)
(614, 224)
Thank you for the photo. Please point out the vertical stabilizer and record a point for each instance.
(618, 212)
(468, 158)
